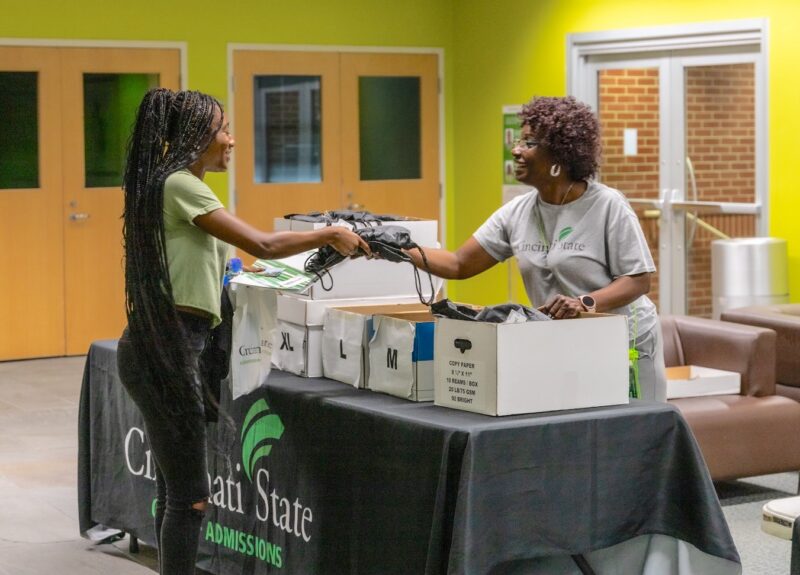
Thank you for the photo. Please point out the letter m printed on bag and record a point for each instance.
(391, 358)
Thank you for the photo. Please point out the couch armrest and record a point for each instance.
(785, 320)
(745, 349)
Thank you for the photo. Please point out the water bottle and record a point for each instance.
(233, 269)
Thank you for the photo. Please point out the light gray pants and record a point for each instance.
(652, 377)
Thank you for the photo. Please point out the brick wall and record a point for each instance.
(720, 132)
(283, 129)
(629, 99)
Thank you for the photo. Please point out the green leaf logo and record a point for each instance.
(259, 431)
(564, 233)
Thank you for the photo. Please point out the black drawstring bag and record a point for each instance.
(452, 310)
(313, 217)
(355, 218)
(364, 217)
(492, 314)
(215, 360)
(386, 242)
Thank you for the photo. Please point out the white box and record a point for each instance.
(281, 225)
(303, 311)
(697, 381)
(297, 349)
(778, 516)
(363, 278)
(401, 355)
(345, 339)
(507, 369)
(423, 232)
(359, 277)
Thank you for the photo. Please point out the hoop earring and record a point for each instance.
(555, 170)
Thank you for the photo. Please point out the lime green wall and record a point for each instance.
(496, 53)
(506, 52)
(208, 27)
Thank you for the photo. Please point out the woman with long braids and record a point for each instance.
(176, 235)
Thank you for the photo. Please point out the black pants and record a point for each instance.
(179, 452)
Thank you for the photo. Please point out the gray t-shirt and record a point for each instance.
(573, 249)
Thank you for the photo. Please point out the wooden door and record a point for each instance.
(390, 133)
(31, 226)
(101, 90)
(287, 134)
(381, 106)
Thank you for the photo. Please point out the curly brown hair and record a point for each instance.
(568, 129)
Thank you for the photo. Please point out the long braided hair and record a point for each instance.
(171, 132)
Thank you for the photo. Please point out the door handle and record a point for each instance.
(354, 206)
(78, 217)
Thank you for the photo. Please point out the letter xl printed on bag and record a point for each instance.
(289, 347)
(253, 325)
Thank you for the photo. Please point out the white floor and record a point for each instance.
(38, 478)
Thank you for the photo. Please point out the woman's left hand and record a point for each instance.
(562, 307)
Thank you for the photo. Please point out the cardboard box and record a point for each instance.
(345, 339)
(304, 311)
(401, 355)
(507, 369)
(297, 349)
(697, 381)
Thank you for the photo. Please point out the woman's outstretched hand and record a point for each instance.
(348, 243)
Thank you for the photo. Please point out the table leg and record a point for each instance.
(584, 566)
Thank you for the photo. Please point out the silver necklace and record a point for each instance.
(569, 189)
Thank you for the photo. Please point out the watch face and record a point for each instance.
(587, 301)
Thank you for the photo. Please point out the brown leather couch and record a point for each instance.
(785, 320)
(752, 433)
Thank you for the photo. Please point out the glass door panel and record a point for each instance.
(288, 117)
(110, 102)
(389, 119)
(629, 114)
(19, 131)
(287, 134)
(720, 142)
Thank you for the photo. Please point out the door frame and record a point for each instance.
(438, 52)
(670, 47)
(182, 48)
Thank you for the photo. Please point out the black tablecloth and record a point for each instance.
(350, 481)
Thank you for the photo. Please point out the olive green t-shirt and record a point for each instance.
(196, 259)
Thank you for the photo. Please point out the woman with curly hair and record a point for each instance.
(177, 236)
(578, 242)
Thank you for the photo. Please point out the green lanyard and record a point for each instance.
(634, 387)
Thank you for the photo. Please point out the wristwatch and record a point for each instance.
(588, 303)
